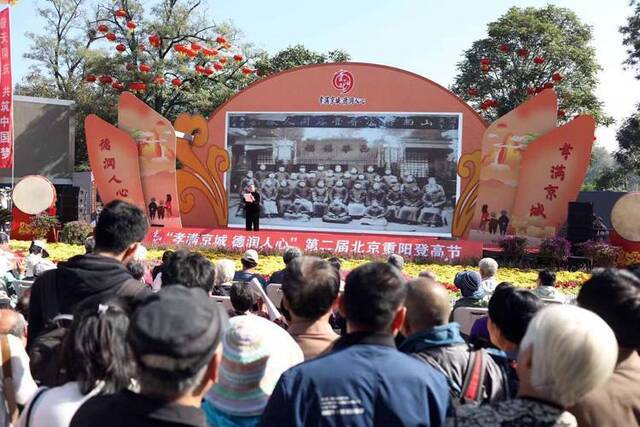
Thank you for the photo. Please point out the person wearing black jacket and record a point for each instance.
(252, 208)
(120, 229)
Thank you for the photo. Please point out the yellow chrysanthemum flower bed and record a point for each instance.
(570, 281)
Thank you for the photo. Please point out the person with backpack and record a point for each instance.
(95, 362)
(472, 375)
(120, 229)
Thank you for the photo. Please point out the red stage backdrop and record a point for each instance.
(338, 244)
(351, 115)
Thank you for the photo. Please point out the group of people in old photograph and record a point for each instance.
(371, 195)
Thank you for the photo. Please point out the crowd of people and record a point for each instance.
(90, 345)
(370, 195)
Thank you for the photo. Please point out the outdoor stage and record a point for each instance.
(338, 244)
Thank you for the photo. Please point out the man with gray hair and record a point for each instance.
(13, 323)
(289, 255)
(178, 359)
(566, 352)
(488, 271)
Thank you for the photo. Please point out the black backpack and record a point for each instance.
(45, 352)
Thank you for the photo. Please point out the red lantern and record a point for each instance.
(221, 40)
(523, 53)
(473, 92)
(504, 48)
(110, 36)
(200, 69)
(155, 41)
(90, 78)
(485, 61)
(117, 86)
(190, 53)
(131, 25)
(557, 77)
(208, 71)
(180, 48)
(196, 46)
(538, 60)
(237, 58)
(223, 60)
(120, 13)
(103, 28)
(485, 68)
(561, 113)
(144, 68)
(547, 86)
(246, 71)
(218, 66)
(209, 52)
(159, 80)
(106, 80)
(176, 82)
(120, 47)
(137, 86)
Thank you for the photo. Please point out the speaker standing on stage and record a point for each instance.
(252, 208)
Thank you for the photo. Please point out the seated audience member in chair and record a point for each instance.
(615, 297)
(435, 341)
(566, 353)
(546, 289)
(364, 380)
(310, 288)
(488, 271)
(249, 263)
(178, 360)
(189, 269)
(255, 352)
(470, 285)
(244, 300)
(289, 255)
(225, 269)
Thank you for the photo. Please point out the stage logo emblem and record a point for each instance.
(343, 81)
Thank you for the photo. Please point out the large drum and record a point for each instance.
(624, 217)
(34, 194)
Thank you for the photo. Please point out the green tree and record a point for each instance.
(631, 34)
(526, 51)
(602, 161)
(295, 56)
(171, 55)
(624, 174)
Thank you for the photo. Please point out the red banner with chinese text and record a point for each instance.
(342, 244)
(6, 93)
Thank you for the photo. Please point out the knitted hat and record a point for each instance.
(255, 353)
(470, 284)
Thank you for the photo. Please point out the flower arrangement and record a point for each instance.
(569, 281)
(555, 248)
(601, 254)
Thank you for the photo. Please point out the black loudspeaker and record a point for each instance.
(71, 203)
(580, 222)
(580, 215)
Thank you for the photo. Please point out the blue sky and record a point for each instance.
(423, 36)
